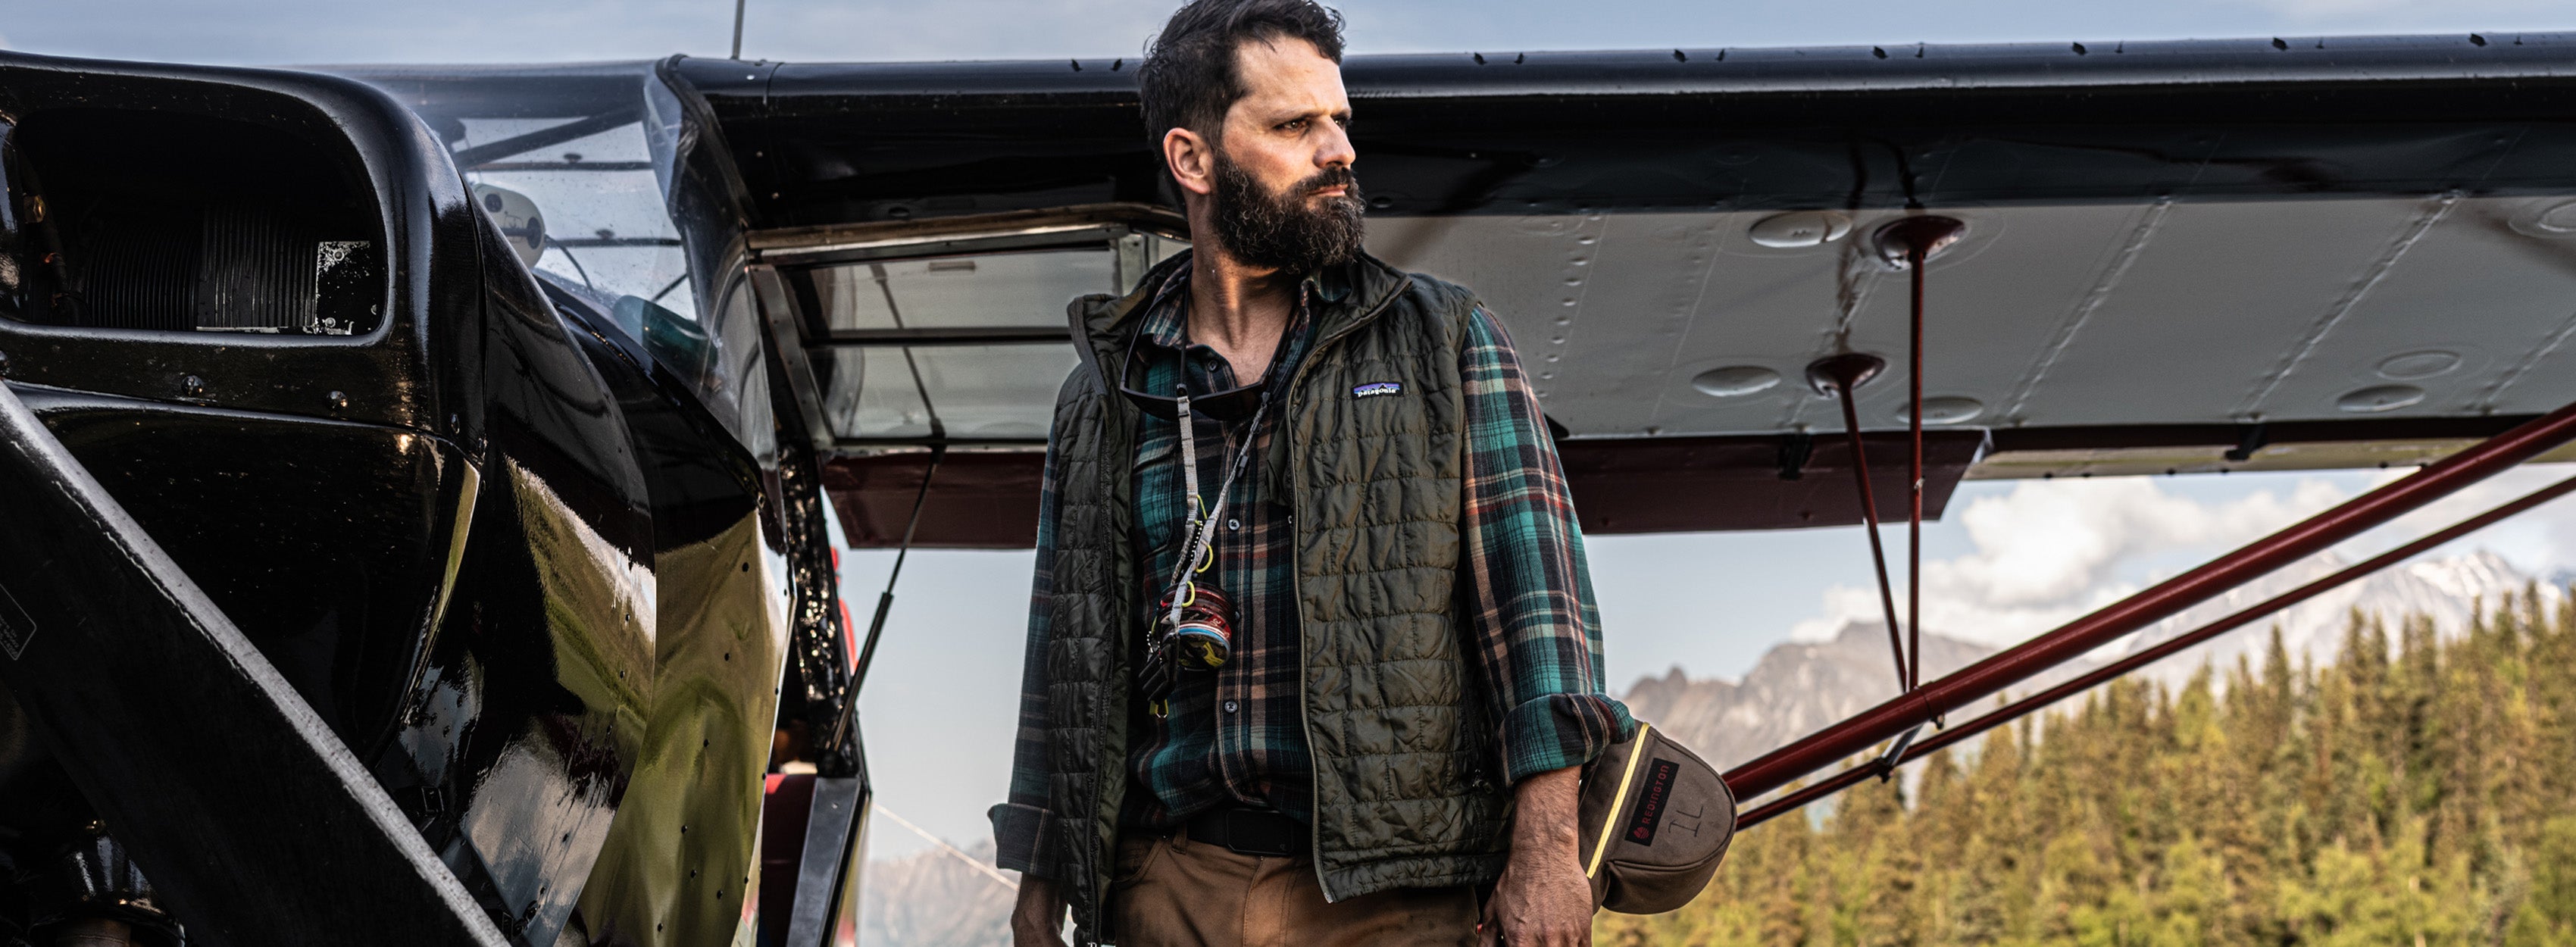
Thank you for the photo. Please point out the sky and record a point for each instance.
(2013, 559)
(349, 31)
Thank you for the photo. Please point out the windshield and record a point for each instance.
(586, 170)
(602, 201)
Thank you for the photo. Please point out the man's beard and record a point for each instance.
(1278, 231)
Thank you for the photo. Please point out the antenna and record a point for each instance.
(737, 28)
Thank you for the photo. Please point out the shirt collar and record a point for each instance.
(1330, 284)
(1165, 326)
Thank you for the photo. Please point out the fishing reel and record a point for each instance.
(1200, 639)
(1203, 637)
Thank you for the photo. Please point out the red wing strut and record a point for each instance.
(1977, 681)
(2175, 645)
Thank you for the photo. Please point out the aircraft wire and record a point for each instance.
(988, 870)
(576, 263)
(666, 290)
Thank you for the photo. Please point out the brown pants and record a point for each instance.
(1170, 892)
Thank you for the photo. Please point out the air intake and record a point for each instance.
(254, 231)
(218, 268)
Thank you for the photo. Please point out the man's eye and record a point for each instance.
(1294, 124)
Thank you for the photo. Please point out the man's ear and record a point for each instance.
(1192, 160)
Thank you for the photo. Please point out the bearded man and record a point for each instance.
(1312, 657)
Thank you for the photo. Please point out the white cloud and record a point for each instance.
(2050, 551)
(2051, 541)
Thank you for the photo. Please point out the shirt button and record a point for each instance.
(1233, 524)
(1231, 706)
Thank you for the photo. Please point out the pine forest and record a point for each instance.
(2417, 791)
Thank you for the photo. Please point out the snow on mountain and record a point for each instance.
(2449, 590)
(1799, 688)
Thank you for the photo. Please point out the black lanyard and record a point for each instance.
(1198, 547)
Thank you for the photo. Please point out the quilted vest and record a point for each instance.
(1405, 791)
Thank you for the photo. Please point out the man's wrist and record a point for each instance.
(1546, 818)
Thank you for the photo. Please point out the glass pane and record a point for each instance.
(607, 226)
(587, 171)
(977, 391)
(999, 289)
(1026, 288)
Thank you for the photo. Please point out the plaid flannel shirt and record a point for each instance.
(1236, 735)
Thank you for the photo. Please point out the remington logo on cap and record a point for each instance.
(1377, 388)
(1651, 800)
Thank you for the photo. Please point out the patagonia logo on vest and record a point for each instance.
(1376, 388)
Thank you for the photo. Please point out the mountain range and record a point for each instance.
(1800, 687)
(1796, 689)
(932, 899)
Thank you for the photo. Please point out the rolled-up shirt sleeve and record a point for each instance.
(1531, 625)
(1023, 828)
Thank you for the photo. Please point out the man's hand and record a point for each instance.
(1038, 918)
(1543, 900)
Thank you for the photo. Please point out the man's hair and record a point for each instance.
(1189, 78)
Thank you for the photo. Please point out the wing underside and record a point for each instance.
(2180, 257)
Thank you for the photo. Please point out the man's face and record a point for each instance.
(1284, 195)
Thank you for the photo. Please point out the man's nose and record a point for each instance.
(1336, 147)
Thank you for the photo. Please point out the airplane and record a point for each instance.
(421, 484)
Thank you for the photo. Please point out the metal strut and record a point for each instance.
(1901, 753)
(1838, 375)
(885, 602)
(1914, 258)
(1982, 679)
(1909, 243)
(250, 815)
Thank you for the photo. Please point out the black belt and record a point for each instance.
(1249, 831)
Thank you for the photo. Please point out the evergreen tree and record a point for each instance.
(2413, 791)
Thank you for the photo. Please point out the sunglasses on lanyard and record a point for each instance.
(1231, 405)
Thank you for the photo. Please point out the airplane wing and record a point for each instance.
(2180, 256)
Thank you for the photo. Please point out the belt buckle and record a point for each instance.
(1260, 832)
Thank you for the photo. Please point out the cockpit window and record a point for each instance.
(584, 171)
(996, 290)
(962, 392)
(604, 220)
(953, 347)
